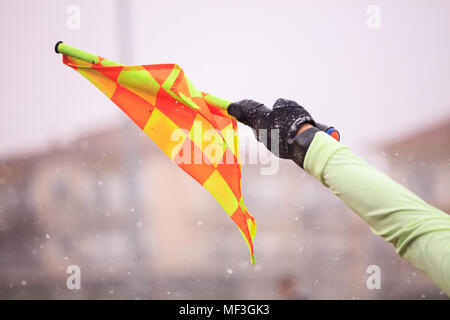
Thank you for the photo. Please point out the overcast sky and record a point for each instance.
(372, 84)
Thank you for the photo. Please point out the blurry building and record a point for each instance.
(71, 204)
(420, 161)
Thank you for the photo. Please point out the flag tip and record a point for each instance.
(56, 46)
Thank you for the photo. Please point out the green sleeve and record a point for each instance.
(419, 232)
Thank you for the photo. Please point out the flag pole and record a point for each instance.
(63, 48)
(73, 52)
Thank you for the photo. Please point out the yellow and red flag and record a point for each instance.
(191, 127)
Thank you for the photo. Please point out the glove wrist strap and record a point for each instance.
(298, 146)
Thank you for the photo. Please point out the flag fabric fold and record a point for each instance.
(191, 127)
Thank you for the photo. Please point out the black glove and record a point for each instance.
(286, 117)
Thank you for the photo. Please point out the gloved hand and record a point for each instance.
(281, 123)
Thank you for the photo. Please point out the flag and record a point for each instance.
(191, 127)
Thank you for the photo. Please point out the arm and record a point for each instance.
(419, 232)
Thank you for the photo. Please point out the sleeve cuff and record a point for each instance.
(319, 153)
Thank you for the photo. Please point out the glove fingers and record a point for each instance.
(280, 103)
(248, 111)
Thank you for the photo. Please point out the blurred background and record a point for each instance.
(81, 185)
